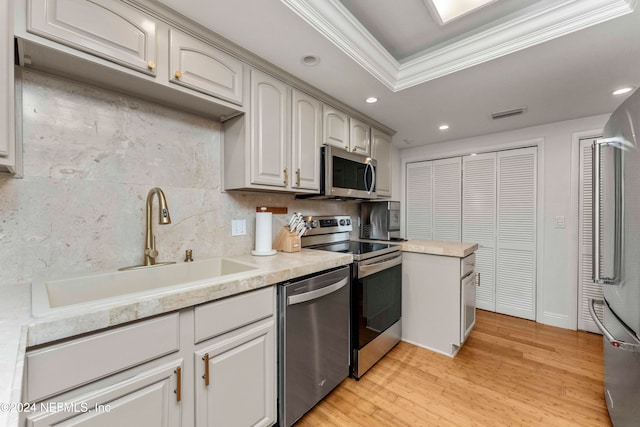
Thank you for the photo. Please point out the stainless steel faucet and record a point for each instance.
(150, 251)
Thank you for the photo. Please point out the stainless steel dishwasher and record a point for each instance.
(313, 341)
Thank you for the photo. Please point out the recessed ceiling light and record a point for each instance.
(310, 60)
(371, 100)
(443, 127)
(473, 154)
(622, 91)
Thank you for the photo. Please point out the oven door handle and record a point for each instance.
(365, 270)
(318, 293)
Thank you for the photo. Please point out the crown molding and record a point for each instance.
(536, 25)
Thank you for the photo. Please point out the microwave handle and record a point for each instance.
(373, 178)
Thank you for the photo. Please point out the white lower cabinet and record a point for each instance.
(235, 378)
(438, 301)
(148, 398)
(210, 365)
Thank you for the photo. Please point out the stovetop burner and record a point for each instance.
(332, 234)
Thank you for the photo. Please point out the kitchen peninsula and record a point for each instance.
(438, 294)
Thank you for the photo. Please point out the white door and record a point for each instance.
(516, 237)
(306, 138)
(586, 287)
(479, 221)
(447, 199)
(241, 372)
(335, 128)
(269, 130)
(419, 200)
(200, 66)
(359, 137)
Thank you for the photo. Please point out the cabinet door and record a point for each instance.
(106, 28)
(149, 398)
(7, 138)
(335, 127)
(381, 152)
(200, 66)
(306, 135)
(241, 371)
(467, 306)
(359, 137)
(269, 130)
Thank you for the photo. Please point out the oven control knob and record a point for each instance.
(342, 222)
(313, 224)
(348, 221)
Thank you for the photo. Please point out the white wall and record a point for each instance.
(90, 157)
(557, 266)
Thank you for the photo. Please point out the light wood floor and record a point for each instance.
(510, 372)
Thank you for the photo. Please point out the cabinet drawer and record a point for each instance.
(231, 313)
(467, 265)
(106, 28)
(60, 367)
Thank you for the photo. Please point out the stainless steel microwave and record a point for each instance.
(345, 175)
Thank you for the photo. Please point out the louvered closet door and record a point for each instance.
(586, 287)
(447, 197)
(516, 238)
(479, 221)
(419, 200)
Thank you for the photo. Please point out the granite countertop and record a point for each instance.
(19, 329)
(433, 247)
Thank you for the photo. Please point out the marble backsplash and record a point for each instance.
(90, 157)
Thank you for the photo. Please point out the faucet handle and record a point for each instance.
(151, 253)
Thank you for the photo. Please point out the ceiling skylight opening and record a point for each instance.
(447, 10)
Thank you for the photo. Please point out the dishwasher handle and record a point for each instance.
(635, 348)
(318, 293)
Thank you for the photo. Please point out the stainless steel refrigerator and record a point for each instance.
(616, 258)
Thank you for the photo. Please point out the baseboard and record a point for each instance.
(555, 319)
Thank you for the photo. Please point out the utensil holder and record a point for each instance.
(287, 241)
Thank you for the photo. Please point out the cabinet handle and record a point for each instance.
(206, 369)
(286, 176)
(298, 177)
(151, 65)
(478, 279)
(178, 74)
(346, 147)
(354, 149)
(178, 390)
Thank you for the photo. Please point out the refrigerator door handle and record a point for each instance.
(596, 193)
(608, 335)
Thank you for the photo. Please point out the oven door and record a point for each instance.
(377, 297)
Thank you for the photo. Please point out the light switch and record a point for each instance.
(238, 227)
(559, 222)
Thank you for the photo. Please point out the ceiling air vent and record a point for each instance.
(508, 113)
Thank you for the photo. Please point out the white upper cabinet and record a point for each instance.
(306, 140)
(7, 123)
(106, 28)
(335, 128)
(359, 137)
(200, 66)
(269, 130)
(381, 152)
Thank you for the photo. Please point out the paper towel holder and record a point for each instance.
(264, 238)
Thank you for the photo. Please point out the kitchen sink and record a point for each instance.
(50, 296)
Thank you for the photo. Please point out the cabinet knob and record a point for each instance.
(178, 74)
(151, 65)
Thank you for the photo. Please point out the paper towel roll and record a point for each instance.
(263, 234)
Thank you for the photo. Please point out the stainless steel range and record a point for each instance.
(376, 288)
